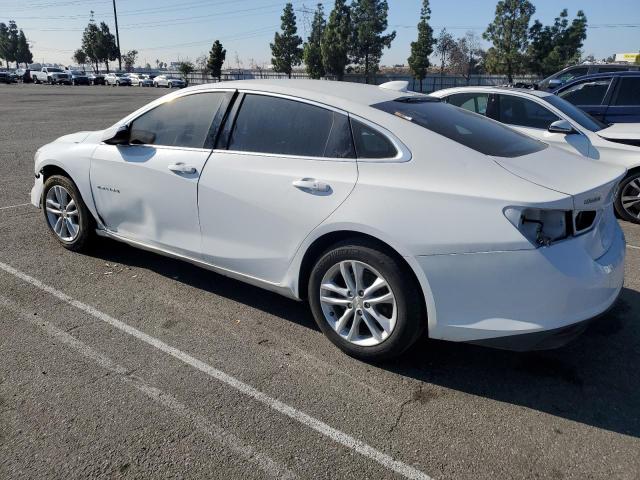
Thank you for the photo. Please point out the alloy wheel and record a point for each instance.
(358, 303)
(630, 198)
(62, 213)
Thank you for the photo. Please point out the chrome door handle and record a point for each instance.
(182, 168)
(311, 184)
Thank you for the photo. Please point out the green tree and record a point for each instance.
(422, 48)
(334, 45)
(216, 59)
(509, 35)
(554, 47)
(107, 49)
(445, 46)
(12, 42)
(90, 43)
(369, 19)
(79, 57)
(129, 60)
(4, 43)
(466, 56)
(285, 50)
(186, 69)
(312, 53)
(23, 52)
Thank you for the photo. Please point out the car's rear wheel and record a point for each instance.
(170, 85)
(366, 301)
(628, 201)
(66, 214)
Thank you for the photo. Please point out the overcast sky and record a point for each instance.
(171, 30)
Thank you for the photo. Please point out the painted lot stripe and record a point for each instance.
(633, 247)
(311, 422)
(15, 206)
(223, 437)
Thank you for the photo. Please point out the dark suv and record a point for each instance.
(573, 73)
(609, 97)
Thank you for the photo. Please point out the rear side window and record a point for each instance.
(612, 69)
(628, 92)
(474, 102)
(461, 126)
(287, 127)
(590, 92)
(524, 112)
(181, 122)
(371, 143)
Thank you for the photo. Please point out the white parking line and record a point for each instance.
(15, 206)
(311, 422)
(633, 247)
(225, 438)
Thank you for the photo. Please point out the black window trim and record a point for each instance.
(224, 106)
(229, 124)
(403, 153)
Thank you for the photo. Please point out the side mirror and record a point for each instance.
(118, 135)
(555, 83)
(561, 126)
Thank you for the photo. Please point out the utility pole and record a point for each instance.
(115, 14)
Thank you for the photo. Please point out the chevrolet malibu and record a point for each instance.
(393, 214)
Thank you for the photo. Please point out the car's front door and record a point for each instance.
(284, 166)
(532, 118)
(147, 191)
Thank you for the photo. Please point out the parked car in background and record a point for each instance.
(609, 97)
(141, 80)
(392, 213)
(23, 75)
(96, 79)
(51, 75)
(168, 81)
(6, 77)
(117, 79)
(78, 77)
(559, 123)
(572, 73)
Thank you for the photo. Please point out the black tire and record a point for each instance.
(411, 320)
(86, 221)
(624, 184)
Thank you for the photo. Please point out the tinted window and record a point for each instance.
(576, 114)
(573, 73)
(524, 112)
(471, 130)
(474, 102)
(628, 91)
(182, 122)
(278, 125)
(612, 69)
(590, 92)
(371, 143)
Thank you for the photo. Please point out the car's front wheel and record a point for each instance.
(366, 301)
(66, 214)
(628, 201)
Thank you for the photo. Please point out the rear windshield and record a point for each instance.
(462, 126)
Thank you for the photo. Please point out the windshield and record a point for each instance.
(119, 74)
(462, 126)
(77, 72)
(580, 116)
(54, 70)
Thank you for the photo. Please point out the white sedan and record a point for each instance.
(551, 119)
(392, 213)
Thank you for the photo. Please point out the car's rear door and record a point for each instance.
(625, 101)
(147, 191)
(283, 165)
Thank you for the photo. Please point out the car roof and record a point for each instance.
(492, 89)
(596, 76)
(338, 94)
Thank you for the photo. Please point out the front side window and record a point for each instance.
(576, 114)
(524, 112)
(474, 102)
(461, 126)
(628, 92)
(573, 73)
(590, 92)
(181, 122)
(282, 126)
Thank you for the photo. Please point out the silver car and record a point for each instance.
(168, 81)
(141, 80)
(117, 79)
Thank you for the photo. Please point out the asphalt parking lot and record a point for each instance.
(123, 364)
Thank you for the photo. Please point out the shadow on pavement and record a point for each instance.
(595, 380)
